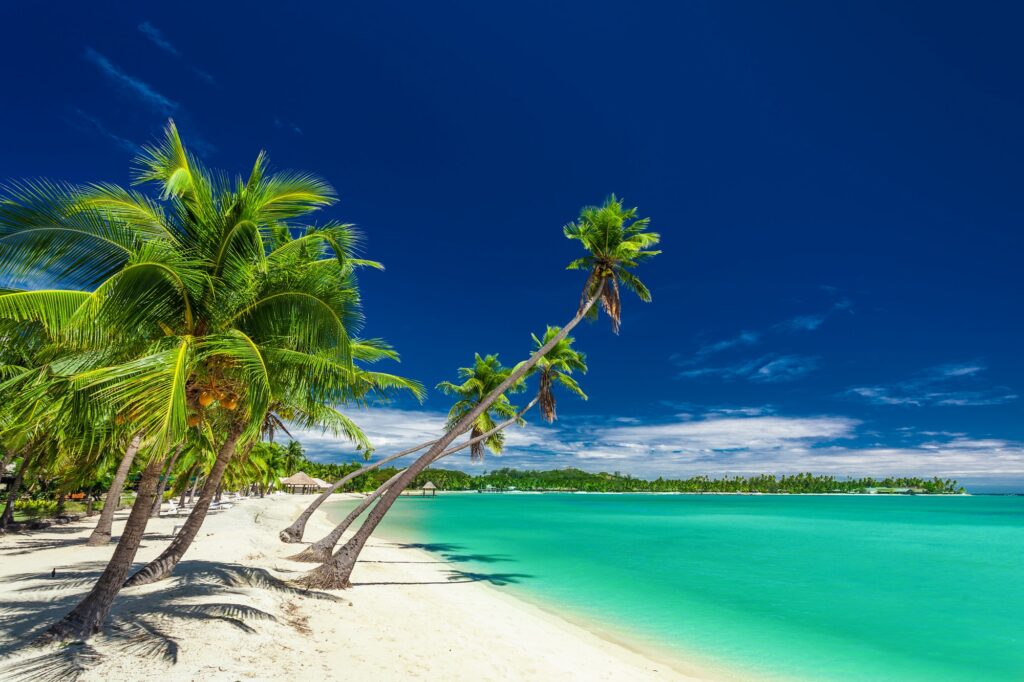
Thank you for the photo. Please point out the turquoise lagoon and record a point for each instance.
(770, 587)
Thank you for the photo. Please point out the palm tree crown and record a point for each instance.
(208, 297)
(557, 366)
(616, 242)
(477, 382)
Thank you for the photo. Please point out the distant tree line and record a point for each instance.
(577, 480)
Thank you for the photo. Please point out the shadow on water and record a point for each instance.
(431, 546)
(457, 577)
(137, 623)
(451, 553)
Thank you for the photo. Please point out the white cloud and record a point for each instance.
(954, 384)
(771, 368)
(131, 84)
(715, 444)
(157, 38)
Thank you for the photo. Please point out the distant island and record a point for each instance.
(577, 480)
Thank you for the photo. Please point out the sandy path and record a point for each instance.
(228, 614)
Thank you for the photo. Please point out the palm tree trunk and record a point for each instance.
(101, 534)
(335, 573)
(293, 533)
(327, 575)
(192, 490)
(60, 505)
(185, 489)
(87, 618)
(321, 550)
(7, 518)
(162, 486)
(163, 565)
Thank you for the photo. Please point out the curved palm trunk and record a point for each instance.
(192, 490)
(162, 486)
(87, 618)
(163, 565)
(293, 533)
(321, 550)
(185, 489)
(335, 573)
(7, 518)
(101, 534)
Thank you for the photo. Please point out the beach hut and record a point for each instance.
(429, 486)
(302, 482)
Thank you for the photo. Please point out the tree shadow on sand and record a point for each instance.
(138, 620)
(31, 545)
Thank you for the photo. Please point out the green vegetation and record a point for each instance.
(614, 243)
(577, 480)
(170, 330)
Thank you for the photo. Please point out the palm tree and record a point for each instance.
(293, 457)
(615, 242)
(101, 533)
(485, 373)
(320, 551)
(557, 365)
(193, 311)
(477, 382)
(294, 532)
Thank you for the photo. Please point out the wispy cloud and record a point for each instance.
(770, 368)
(767, 368)
(949, 385)
(285, 125)
(156, 36)
(88, 123)
(158, 39)
(130, 84)
(801, 323)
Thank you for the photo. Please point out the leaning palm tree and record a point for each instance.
(190, 310)
(477, 382)
(368, 351)
(557, 366)
(615, 242)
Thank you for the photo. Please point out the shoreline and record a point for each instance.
(690, 665)
(229, 613)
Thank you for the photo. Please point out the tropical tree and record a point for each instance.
(294, 532)
(557, 366)
(321, 550)
(486, 374)
(194, 310)
(615, 242)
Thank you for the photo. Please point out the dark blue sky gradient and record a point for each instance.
(856, 166)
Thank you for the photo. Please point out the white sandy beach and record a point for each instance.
(229, 614)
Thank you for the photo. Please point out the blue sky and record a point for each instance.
(838, 187)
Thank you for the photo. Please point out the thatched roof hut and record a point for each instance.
(303, 483)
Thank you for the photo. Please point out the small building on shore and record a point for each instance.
(301, 482)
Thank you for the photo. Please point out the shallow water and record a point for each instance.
(805, 587)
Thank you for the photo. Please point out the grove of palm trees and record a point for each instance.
(167, 333)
